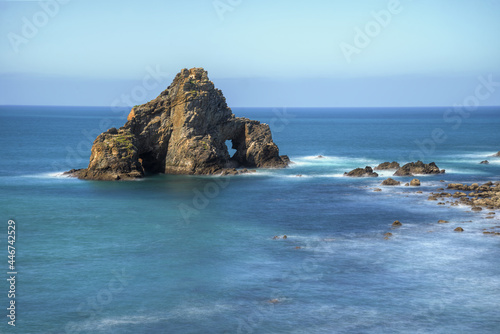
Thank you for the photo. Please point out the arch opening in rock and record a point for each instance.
(230, 148)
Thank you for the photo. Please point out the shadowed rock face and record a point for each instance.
(182, 131)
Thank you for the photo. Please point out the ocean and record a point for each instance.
(196, 254)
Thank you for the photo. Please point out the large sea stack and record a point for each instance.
(182, 131)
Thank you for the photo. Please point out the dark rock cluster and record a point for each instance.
(387, 165)
(362, 172)
(414, 168)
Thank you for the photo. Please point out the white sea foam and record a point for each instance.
(47, 175)
(313, 160)
(477, 155)
(197, 312)
(464, 171)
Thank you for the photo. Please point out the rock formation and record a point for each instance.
(496, 154)
(387, 165)
(182, 131)
(415, 183)
(484, 162)
(362, 172)
(418, 167)
(390, 182)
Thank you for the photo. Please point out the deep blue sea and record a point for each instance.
(193, 254)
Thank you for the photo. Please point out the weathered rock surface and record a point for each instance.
(362, 172)
(415, 183)
(182, 131)
(390, 182)
(387, 165)
(418, 167)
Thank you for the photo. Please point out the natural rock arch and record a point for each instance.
(182, 131)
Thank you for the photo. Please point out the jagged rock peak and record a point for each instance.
(182, 131)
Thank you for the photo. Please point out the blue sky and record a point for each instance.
(283, 53)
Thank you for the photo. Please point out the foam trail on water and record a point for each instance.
(47, 175)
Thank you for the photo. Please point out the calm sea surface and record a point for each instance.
(190, 254)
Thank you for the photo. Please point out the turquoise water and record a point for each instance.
(188, 254)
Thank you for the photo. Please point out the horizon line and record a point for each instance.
(256, 107)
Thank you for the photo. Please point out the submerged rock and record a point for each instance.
(458, 229)
(418, 167)
(183, 131)
(362, 172)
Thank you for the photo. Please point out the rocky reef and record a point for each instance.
(474, 195)
(183, 131)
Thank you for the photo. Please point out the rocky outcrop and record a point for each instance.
(390, 182)
(484, 162)
(183, 131)
(387, 165)
(414, 168)
(496, 154)
(415, 183)
(362, 172)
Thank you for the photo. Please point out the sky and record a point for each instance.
(260, 53)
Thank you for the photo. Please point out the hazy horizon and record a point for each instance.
(260, 54)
